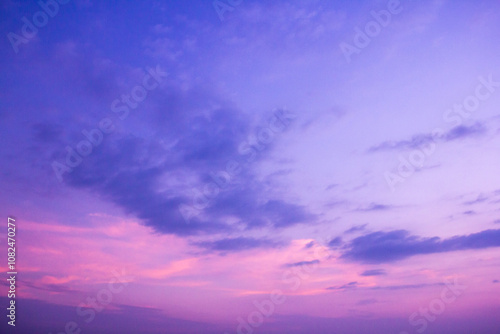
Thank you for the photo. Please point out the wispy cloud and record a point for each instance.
(405, 287)
(301, 263)
(375, 207)
(335, 242)
(355, 285)
(237, 244)
(357, 228)
(374, 272)
(348, 286)
(420, 140)
(462, 131)
(380, 247)
(480, 199)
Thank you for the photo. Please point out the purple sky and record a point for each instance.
(241, 166)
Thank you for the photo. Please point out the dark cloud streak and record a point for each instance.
(381, 247)
(420, 140)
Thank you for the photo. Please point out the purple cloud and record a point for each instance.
(380, 247)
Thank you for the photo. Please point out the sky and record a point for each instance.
(248, 166)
